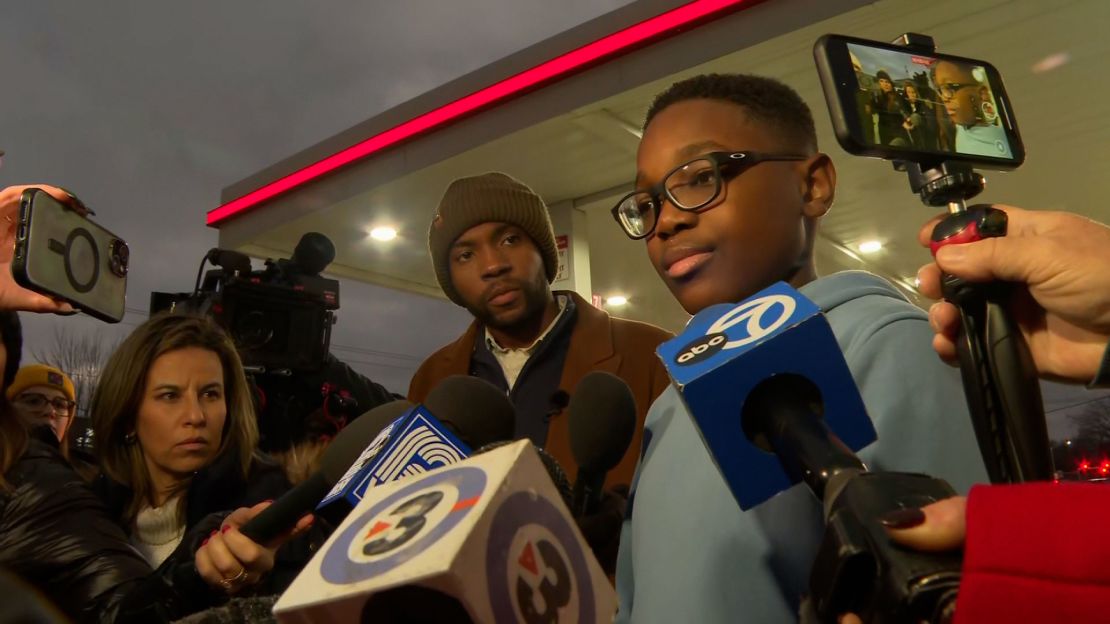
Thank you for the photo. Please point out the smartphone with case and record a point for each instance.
(892, 102)
(63, 255)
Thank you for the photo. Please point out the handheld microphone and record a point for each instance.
(728, 349)
(485, 540)
(473, 409)
(602, 420)
(343, 451)
(461, 413)
(779, 392)
(554, 469)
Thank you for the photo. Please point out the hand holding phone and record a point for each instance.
(62, 254)
(12, 295)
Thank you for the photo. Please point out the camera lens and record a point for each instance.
(252, 330)
(119, 257)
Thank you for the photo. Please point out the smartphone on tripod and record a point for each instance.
(892, 102)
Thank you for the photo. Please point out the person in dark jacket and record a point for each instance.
(176, 435)
(57, 535)
(891, 111)
(920, 119)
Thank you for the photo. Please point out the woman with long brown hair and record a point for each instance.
(57, 536)
(175, 432)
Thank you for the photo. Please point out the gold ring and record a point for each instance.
(228, 583)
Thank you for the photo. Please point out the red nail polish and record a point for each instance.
(226, 528)
(268, 500)
(205, 542)
(213, 533)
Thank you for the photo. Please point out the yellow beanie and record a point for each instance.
(41, 375)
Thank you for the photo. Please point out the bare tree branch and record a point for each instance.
(81, 355)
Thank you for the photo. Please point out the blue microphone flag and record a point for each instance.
(727, 349)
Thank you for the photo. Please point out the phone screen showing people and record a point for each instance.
(922, 103)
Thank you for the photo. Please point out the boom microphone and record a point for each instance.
(337, 458)
(602, 419)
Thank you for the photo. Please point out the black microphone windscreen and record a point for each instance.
(554, 468)
(474, 409)
(313, 253)
(230, 261)
(353, 439)
(602, 421)
(237, 610)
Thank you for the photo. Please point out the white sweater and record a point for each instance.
(158, 531)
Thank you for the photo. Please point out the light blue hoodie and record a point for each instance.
(689, 554)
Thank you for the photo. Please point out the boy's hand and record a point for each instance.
(1064, 310)
(12, 295)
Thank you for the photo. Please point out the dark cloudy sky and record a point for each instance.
(147, 108)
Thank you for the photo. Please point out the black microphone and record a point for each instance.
(232, 262)
(783, 415)
(313, 253)
(344, 449)
(858, 568)
(602, 421)
(554, 469)
(766, 383)
(473, 409)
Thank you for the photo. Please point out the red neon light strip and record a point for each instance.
(548, 71)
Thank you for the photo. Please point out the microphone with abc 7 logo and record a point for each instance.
(390, 442)
(488, 539)
(767, 385)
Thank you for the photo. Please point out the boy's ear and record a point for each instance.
(820, 185)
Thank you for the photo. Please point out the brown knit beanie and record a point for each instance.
(488, 198)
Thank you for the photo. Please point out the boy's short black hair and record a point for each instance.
(766, 99)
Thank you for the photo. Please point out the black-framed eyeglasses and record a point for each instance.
(38, 401)
(690, 186)
(949, 90)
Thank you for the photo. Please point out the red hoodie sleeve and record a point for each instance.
(1036, 552)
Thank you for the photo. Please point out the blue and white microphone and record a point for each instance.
(768, 386)
(460, 414)
(390, 442)
(728, 351)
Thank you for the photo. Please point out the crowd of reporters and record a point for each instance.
(148, 529)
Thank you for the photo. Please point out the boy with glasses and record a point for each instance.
(730, 190)
(967, 99)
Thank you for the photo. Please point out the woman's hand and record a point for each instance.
(12, 295)
(231, 561)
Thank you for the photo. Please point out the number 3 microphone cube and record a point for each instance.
(729, 348)
(490, 537)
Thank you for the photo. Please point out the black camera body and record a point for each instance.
(280, 317)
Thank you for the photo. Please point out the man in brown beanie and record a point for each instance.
(493, 249)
